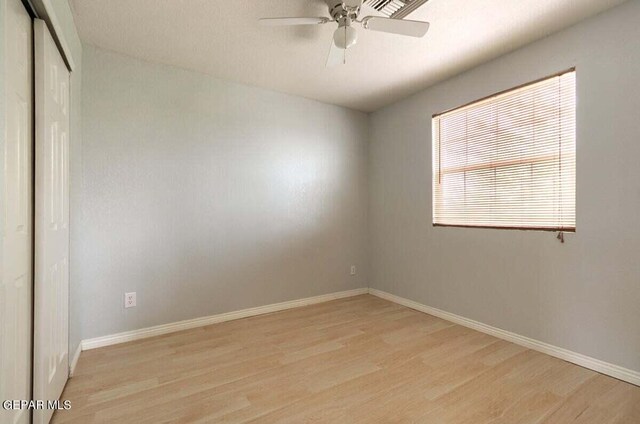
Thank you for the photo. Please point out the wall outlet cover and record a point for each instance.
(130, 300)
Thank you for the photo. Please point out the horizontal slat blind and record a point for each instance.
(509, 161)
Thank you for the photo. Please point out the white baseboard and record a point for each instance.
(157, 330)
(74, 360)
(602, 367)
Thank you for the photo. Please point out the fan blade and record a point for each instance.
(396, 26)
(336, 55)
(293, 21)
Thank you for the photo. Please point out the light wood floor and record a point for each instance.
(356, 360)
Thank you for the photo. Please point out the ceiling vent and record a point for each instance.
(397, 9)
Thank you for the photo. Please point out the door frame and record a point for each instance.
(43, 9)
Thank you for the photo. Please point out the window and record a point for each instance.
(509, 160)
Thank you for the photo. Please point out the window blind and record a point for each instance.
(509, 160)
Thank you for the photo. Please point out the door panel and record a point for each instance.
(51, 317)
(16, 260)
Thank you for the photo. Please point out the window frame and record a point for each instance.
(482, 99)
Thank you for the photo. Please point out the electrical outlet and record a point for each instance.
(353, 270)
(130, 300)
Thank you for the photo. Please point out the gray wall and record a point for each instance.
(205, 196)
(583, 295)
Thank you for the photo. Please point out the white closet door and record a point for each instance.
(16, 254)
(51, 303)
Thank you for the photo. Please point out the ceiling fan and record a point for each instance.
(345, 13)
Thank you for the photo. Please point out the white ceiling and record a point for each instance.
(223, 39)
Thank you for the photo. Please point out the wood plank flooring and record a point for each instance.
(355, 360)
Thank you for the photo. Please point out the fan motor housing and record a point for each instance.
(338, 12)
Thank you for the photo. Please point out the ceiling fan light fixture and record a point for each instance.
(346, 12)
(345, 36)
